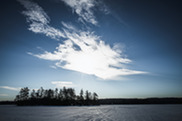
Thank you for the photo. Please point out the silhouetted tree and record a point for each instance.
(56, 93)
(81, 95)
(37, 93)
(33, 94)
(46, 94)
(17, 98)
(50, 94)
(41, 92)
(95, 96)
(87, 95)
(71, 94)
(60, 95)
(24, 93)
(65, 93)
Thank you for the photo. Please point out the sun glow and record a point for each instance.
(85, 63)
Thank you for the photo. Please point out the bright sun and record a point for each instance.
(84, 63)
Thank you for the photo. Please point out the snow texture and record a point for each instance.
(92, 113)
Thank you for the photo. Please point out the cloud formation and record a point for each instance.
(63, 84)
(10, 88)
(39, 20)
(83, 8)
(87, 53)
(81, 51)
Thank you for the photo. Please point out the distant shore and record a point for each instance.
(113, 101)
(169, 100)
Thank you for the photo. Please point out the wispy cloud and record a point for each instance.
(4, 95)
(11, 88)
(52, 66)
(39, 20)
(63, 84)
(83, 8)
(82, 51)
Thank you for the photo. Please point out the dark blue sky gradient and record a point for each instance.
(149, 31)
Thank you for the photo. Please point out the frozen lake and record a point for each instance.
(92, 113)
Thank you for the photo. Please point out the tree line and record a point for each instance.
(64, 96)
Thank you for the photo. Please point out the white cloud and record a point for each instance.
(87, 53)
(63, 84)
(3, 95)
(54, 67)
(39, 20)
(11, 88)
(84, 9)
(46, 56)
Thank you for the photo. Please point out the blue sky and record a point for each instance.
(119, 49)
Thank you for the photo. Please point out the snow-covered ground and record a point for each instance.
(92, 113)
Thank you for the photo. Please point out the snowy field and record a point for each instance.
(92, 113)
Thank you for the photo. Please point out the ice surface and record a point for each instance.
(92, 113)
